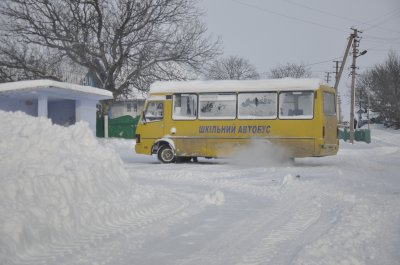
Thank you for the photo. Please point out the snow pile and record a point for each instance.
(289, 179)
(215, 198)
(57, 186)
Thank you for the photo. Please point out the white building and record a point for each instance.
(132, 106)
(63, 103)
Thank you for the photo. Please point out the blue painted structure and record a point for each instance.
(63, 103)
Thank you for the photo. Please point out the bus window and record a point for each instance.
(185, 107)
(257, 105)
(154, 111)
(217, 106)
(329, 104)
(296, 105)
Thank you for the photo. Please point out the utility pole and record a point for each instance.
(339, 100)
(340, 71)
(346, 53)
(339, 104)
(353, 80)
(353, 39)
(336, 69)
(328, 77)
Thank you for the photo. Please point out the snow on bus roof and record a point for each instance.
(288, 84)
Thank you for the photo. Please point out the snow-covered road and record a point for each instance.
(67, 199)
(333, 210)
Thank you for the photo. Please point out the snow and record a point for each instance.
(215, 198)
(37, 84)
(285, 84)
(58, 186)
(68, 198)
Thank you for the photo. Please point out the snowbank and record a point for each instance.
(57, 186)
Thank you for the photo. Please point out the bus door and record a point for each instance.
(153, 120)
(330, 119)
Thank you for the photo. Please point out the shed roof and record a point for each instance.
(30, 85)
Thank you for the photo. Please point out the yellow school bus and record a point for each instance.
(190, 119)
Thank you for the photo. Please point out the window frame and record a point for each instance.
(185, 119)
(255, 117)
(217, 117)
(298, 117)
(323, 103)
(147, 106)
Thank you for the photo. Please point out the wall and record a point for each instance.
(62, 112)
(10, 104)
(86, 111)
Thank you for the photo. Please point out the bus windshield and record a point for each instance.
(154, 111)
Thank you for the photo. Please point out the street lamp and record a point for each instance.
(362, 53)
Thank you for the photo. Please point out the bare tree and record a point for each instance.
(290, 70)
(21, 62)
(232, 67)
(381, 84)
(121, 43)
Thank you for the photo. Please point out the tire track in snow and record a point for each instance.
(168, 209)
(258, 239)
(216, 180)
(270, 246)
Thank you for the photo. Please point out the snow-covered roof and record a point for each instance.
(39, 84)
(286, 84)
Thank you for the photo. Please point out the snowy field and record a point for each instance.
(68, 198)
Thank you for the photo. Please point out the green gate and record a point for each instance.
(121, 127)
(360, 135)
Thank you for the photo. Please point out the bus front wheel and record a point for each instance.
(165, 154)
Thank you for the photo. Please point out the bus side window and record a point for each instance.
(296, 105)
(257, 105)
(184, 107)
(329, 104)
(217, 106)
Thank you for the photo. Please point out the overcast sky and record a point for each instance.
(273, 32)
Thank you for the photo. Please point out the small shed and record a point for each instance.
(63, 103)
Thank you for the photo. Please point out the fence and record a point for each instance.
(360, 135)
(121, 127)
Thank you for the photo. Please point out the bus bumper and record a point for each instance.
(144, 147)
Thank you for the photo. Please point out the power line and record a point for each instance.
(380, 38)
(370, 48)
(383, 44)
(384, 50)
(321, 62)
(391, 13)
(320, 25)
(286, 16)
(322, 11)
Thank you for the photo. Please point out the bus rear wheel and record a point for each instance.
(165, 154)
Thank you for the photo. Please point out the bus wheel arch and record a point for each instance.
(165, 151)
